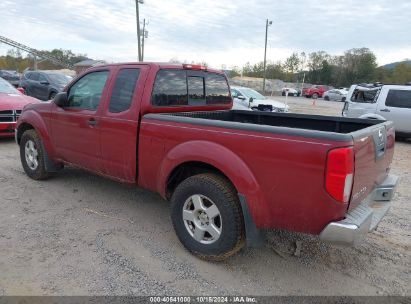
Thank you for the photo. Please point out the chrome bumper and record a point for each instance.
(364, 218)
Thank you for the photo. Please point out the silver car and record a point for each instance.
(335, 95)
(385, 102)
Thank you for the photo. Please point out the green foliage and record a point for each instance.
(15, 61)
(354, 66)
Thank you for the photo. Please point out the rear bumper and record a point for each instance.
(364, 218)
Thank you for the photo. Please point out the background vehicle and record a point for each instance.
(384, 102)
(228, 174)
(291, 92)
(11, 76)
(335, 95)
(243, 95)
(43, 85)
(316, 91)
(11, 105)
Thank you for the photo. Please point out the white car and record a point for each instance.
(291, 92)
(246, 98)
(335, 95)
(385, 102)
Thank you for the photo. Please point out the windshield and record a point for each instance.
(59, 78)
(251, 93)
(7, 88)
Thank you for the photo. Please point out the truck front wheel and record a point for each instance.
(207, 217)
(32, 155)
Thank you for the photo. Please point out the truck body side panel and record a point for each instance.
(288, 171)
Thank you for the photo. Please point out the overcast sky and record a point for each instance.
(229, 32)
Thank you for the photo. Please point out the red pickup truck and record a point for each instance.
(316, 91)
(228, 174)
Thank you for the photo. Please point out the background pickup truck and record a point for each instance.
(228, 174)
(316, 91)
(384, 102)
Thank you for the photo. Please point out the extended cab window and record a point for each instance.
(123, 91)
(86, 92)
(398, 99)
(170, 88)
(174, 88)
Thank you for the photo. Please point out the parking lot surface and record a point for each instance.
(81, 234)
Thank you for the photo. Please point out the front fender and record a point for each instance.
(219, 157)
(34, 119)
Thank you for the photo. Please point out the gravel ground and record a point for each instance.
(81, 234)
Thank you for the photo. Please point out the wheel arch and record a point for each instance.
(194, 157)
(372, 116)
(30, 119)
(186, 160)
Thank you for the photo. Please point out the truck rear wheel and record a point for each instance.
(207, 217)
(32, 155)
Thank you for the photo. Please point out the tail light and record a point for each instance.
(340, 173)
(194, 67)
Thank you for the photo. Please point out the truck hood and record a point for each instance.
(15, 101)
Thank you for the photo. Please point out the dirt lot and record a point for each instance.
(80, 234)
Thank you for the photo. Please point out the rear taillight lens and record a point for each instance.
(340, 173)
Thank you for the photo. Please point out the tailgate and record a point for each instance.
(373, 152)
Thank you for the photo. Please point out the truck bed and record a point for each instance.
(274, 146)
(325, 127)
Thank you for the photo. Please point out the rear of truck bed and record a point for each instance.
(294, 162)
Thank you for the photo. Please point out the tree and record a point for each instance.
(401, 74)
(291, 65)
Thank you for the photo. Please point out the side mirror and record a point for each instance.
(241, 97)
(61, 99)
(44, 82)
(251, 99)
(21, 90)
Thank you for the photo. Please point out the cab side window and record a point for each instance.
(123, 91)
(42, 78)
(86, 92)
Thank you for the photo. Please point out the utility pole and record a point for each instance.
(267, 23)
(138, 28)
(144, 35)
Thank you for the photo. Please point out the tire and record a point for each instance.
(214, 195)
(326, 98)
(52, 94)
(315, 96)
(32, 155)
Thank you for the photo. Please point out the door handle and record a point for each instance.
(92, 122)
(385, 110)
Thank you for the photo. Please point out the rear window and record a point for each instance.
(398, 99)
(364, 96)
(182, 88)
